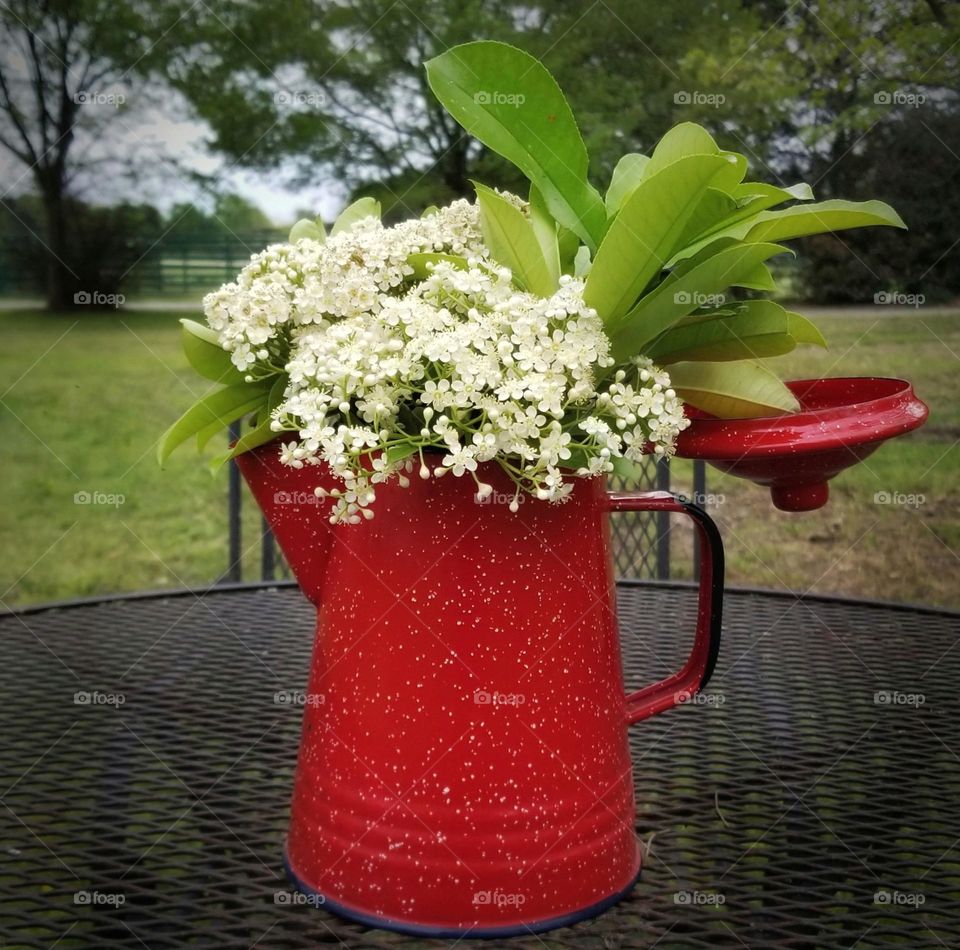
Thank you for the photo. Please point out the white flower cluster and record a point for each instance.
(383, 368)
(313, 282)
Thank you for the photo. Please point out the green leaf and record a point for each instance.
(429, 211)
(569, 245)
(627, 469)
(545, 231)
(509, 101)
(751, 198)
(262, 433)
(804, 330)
(712, 210)
(682, 141)
(801, 220)
(582, 262)
(753, 192)
(397, 453)
(626, 176)
(644, 234)
(223, 407)
(738, 390)
(204, 353)
(419, 263)
(759, 278)
(826, 216)
(732, 175)
(305, 229)
(757, 329)
(683, 293)
(512, 242)
(360, 209)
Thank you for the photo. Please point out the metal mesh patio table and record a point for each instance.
(809, 799)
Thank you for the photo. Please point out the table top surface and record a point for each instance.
(810, 799)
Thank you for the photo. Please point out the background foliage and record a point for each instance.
(858, 96)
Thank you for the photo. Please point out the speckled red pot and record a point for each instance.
(464, 764)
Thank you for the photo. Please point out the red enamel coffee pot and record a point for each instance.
(464, 766)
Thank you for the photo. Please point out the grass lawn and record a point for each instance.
(856, 545)
(86, 397)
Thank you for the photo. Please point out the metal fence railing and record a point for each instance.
(190, 265)
(182, 264)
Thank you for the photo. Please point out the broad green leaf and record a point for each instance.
(578, 459)
(420, 261)
(569, 245)
(680, 295)
(204, 353)
(698, 315)
(757, 329)
(216, 426)
(688, 138)
(512, 242)
(627, 469)
(509, 101)
(545, 230)
(736, 390)
(751, 192)
(206, 434)
(826, 216)
(733, 172)
(759, 278)
(644, 234)
(360, 209)
(626, 176)
(804, 330)
(429, 211)
(683, 140)
(751, 198)
(262, 432)
(582, 262)
(307, 229)
(801, 220)
(397, 453)
(712, 210)
(223, 406)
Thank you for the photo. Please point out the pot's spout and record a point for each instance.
(297, 518)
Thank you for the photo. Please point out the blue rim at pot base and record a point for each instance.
(416, 930)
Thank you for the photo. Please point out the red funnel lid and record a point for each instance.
(840, 422)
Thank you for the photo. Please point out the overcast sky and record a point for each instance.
(149, 136)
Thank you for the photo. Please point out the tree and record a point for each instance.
(101, 249)
(237, 216)
(874, 101)
(68, 69)
(339, 88)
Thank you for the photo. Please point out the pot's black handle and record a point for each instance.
(683, 685)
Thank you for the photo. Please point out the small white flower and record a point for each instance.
(460, 460)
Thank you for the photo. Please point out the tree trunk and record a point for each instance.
(59, 286)
(454, 169)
